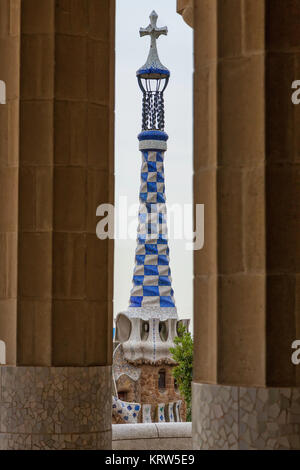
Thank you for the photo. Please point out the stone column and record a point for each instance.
(186, 9)
(56, 167)
(9, 161)
(246, 391)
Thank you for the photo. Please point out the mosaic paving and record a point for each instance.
(55, 407)
(245, 418)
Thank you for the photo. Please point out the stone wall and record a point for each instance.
(133, 391)
(131, 387)
(150, 392)
(146, 390)
(156, 436)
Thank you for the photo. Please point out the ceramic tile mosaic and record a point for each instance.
(170, 408)
(61, 407)
(161, 413)
(152, 283)
(121, 366)
(177, 408)
(227, 417)
(129, 412)
(147, 413)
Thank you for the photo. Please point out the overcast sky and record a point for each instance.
(175, 51)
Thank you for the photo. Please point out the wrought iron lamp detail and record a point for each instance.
(153, 78)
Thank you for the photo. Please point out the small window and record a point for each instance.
(162, 379)
(122, 395)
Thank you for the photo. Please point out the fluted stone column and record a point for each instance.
(186, 9)
(246, 391)
(56, 167)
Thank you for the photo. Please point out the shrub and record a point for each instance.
(182, 353)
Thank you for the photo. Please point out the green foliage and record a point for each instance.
(183, 373)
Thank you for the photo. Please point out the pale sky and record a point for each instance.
(175, 51)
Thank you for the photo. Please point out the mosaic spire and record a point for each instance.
(152, 293)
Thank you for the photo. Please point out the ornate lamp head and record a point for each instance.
(153, 78)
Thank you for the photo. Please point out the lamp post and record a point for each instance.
(146, 330)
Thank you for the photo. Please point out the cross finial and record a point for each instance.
(153, 64)
(152, 30)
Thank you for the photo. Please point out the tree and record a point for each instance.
(183, 372)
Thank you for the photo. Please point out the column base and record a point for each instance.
(55, 408)
(241, 418)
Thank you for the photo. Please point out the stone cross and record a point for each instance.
(154, 32)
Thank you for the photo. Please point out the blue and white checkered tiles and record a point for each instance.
(152, 277)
